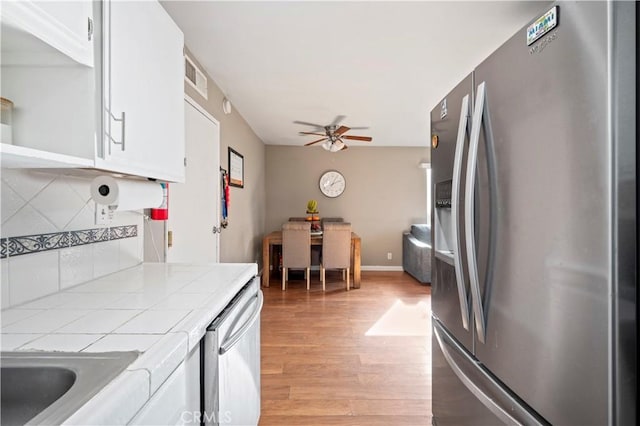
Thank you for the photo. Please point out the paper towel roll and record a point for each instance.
(126, 194)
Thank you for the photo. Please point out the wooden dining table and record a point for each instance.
(275, 239)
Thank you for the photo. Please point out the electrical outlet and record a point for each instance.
(104, 214)
(389, 256)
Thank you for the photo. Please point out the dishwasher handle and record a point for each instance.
(231, 340)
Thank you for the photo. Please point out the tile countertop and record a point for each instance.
(160, 310)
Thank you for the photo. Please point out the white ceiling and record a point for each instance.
(383, 65)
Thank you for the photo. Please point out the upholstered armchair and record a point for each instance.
(296, 249)
(336, 249)
(416, 252)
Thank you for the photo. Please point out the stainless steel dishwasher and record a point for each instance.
(231, 352)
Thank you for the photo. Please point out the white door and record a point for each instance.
(194, 206)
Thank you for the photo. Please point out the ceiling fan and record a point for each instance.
(333, 134)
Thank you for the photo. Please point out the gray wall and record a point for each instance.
(385, 192)
(385, 188)
(241, 241)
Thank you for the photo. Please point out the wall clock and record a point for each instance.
(332, 183)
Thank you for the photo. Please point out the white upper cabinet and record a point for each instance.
(93, 85)
(144, 92)
(47, 32)
(49, 76)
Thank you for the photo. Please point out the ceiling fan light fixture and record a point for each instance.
(333, 134)
(333, 146)
(337, 146)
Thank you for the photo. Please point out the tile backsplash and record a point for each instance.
(49, 237)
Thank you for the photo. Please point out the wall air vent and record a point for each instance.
(195, 77)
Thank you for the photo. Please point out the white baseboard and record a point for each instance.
(381, 268)
(363, 268)
(369, 268)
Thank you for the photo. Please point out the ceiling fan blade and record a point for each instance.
(320, 126)
(338, 120)
(358, 138)
(319, 140)
(344, 147)
(341, 130)
(311, 133)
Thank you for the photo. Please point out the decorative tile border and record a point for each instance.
(16, 246)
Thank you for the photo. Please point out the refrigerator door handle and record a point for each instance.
(463, 130)
(472, 259)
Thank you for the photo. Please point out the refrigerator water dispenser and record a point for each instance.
(443, 222)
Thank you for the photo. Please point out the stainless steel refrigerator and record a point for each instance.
(535, 257)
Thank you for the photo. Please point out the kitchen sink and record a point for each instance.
(48, 387)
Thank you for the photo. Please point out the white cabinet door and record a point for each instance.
(144, 91)
(76, 18)
(63, 28)
(177, 401)
(48, 72)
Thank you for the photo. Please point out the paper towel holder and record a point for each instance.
(112, 194)
(103, 190)
(104, 214)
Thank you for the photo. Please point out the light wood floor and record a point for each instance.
(319, 367)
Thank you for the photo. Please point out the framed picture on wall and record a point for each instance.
(236, 168)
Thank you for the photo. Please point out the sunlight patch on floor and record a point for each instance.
(403, 320)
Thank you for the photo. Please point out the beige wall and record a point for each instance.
(385, 192)
(241, 241)
(386, 189)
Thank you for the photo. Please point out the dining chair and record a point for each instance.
(330, 219)
(296, 249)
(336, 249)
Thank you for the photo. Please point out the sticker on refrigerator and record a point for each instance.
(443, 109)
(542, 25)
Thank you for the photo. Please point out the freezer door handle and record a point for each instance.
(496, 397)
(231, 340)
(479, 112)
(463, 131)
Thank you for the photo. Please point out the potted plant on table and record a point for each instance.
(313, 215)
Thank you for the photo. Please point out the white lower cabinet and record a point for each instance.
(177, 401)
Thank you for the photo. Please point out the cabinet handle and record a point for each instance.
(89, 29)
(122, 119)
